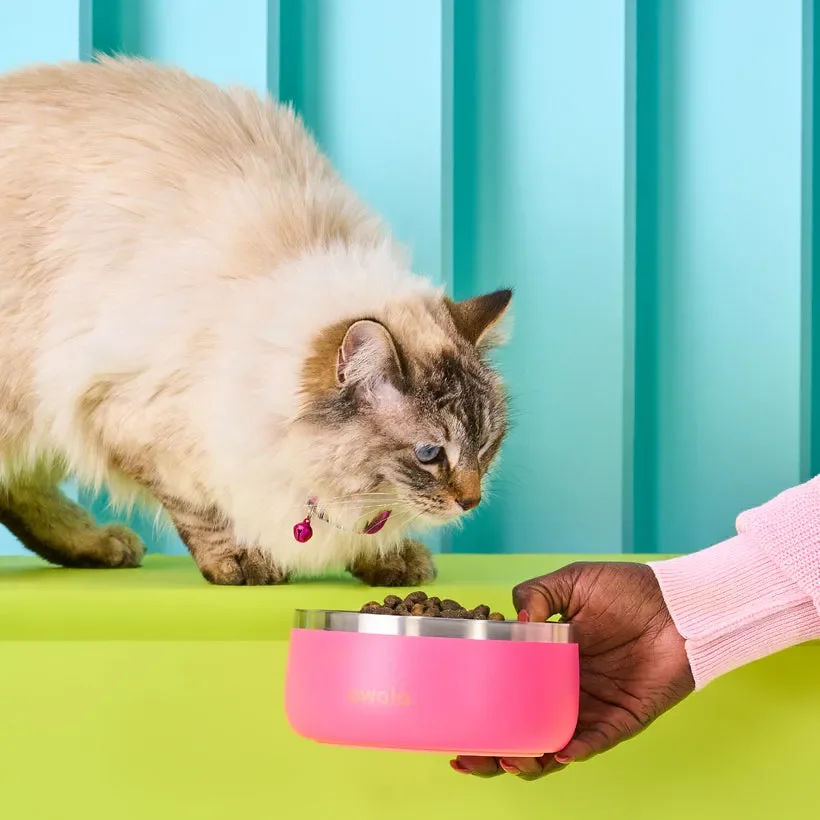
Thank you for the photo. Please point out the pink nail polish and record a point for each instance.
(457, 767)
(563, 760)
(524, 616)
(508, 767)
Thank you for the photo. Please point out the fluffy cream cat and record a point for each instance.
(194, 308)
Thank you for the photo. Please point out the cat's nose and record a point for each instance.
(468, 504)
(466, 487)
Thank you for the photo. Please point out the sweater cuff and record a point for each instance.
(732, 604)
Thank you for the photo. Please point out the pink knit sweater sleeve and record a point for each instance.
(752, 595)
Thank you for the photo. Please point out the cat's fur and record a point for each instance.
(195, 308)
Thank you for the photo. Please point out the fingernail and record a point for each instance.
(524, 616)
(564, 761)
(508, 767)
(457, 767)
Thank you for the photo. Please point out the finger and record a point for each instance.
(552, 766)
(478, 766)
(586, 744)
(543, 597)
(520, 765)
(529, 768)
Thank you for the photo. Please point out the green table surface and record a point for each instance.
(150, 694)
(166, 599)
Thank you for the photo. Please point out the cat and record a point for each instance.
(196, 311)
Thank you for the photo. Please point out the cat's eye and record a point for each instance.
(428, 453)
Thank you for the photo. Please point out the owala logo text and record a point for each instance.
(380, 697)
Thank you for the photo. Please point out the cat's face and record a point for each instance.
(411, 416)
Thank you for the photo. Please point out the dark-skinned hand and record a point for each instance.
(632, 659)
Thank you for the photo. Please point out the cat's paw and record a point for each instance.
(119, 547)
(111, 547)
(411, 566)
(240, 567)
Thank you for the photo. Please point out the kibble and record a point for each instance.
(456, 613)
(419, 604)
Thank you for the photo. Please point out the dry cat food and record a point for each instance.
(417, 603)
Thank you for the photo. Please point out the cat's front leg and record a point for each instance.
(221, 560)
(412, 564)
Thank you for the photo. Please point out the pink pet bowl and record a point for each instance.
(490, 688)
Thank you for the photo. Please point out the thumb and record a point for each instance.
(548, 595)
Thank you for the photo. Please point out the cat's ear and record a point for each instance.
(477, 319)
(367, 358)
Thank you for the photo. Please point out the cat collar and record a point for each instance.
(303, 531)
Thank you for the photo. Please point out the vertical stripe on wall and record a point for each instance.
(548, 186)
(640, 171)
(728, 274)
(810, 387)
(373, 98)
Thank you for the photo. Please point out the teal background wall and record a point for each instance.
(640, 170)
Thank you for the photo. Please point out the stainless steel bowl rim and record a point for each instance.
(332, 620)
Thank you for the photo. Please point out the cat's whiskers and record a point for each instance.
(376, 498)
(364, 492)
(324, 502)
(364, 508)
(408, 523)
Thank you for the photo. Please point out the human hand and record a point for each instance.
(632, 659)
